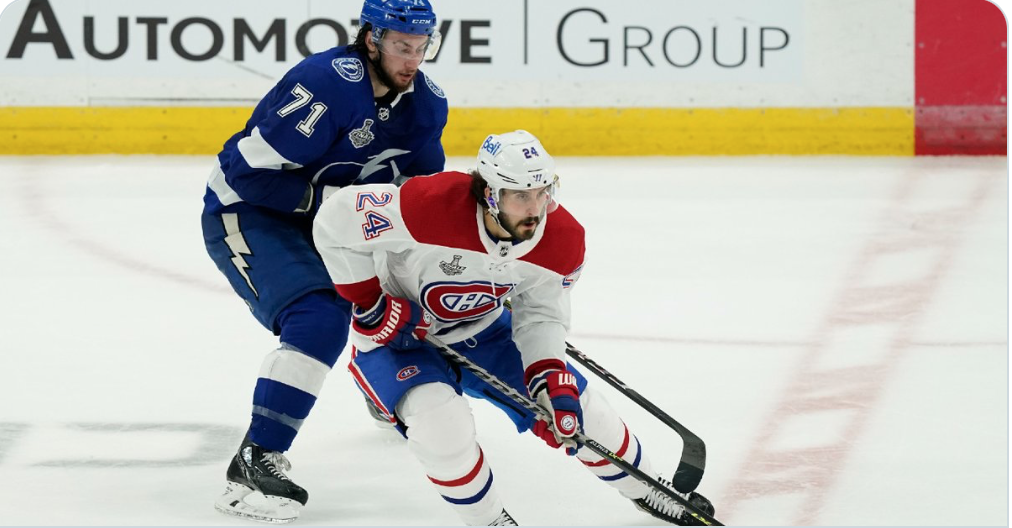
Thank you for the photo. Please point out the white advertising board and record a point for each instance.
(506, 53)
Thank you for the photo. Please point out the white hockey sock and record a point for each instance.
(603, 424)
(441, 435)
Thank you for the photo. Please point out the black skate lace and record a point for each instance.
(504, 519)
(662, 502)
(277, 464)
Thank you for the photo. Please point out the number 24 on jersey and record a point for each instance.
(375, 223)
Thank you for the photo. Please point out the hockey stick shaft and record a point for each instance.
(539, 413)
(693, 460)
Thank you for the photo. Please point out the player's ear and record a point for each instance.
(489, 200)
(369, 44)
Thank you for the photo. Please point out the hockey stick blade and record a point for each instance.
(693, 460)
(525, 402)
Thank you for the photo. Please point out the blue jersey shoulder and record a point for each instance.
(338, 78)
(430, 98)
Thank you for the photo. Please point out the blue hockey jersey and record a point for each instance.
(320, 126)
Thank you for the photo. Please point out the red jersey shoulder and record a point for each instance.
(562, 247)
(439, 210)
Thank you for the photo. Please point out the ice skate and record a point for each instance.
(380, 420)
(504, 519)
(668, 510)
(258, 489)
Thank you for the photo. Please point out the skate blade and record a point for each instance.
(385, 425)
(246, 503)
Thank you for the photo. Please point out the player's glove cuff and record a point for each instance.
(370, 317)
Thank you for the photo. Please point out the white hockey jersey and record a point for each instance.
(426, 241)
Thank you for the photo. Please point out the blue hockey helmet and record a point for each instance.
(407, 16)
(414, 17)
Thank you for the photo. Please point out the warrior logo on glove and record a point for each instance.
(392, 321)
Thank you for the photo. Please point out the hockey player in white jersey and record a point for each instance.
(441, 254)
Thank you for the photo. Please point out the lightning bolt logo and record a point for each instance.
(235, 241)
(375, 163)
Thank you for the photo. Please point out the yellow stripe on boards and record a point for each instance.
(694, 132)
(118, 130)
(564, 131)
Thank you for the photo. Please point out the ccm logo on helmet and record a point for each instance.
(455, 301)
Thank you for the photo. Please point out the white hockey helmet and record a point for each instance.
(516, 161)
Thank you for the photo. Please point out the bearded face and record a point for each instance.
(520, 212)
(396, 58)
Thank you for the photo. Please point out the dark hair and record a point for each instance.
(478, 186)
(359, 44)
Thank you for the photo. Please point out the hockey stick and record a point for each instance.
(582, 439)
(693, 461)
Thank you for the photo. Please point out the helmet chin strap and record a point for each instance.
(494, 212)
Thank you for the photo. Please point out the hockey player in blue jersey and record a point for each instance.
(351, 115)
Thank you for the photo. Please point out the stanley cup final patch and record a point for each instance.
(361, 137)
(454, 267)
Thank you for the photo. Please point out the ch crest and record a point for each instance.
(453, 267)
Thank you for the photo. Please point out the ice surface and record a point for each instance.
(835, 329)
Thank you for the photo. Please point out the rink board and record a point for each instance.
(652, 77)
(570, 131)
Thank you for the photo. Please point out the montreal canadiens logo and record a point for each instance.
(407, 372)
(455, 301)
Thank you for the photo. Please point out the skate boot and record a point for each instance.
(380, 419)
(257, 487)
(666, 509)
(504, 519)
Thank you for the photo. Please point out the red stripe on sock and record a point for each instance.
(620, 452)
(466, 479)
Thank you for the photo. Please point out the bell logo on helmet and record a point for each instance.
(491, 146)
